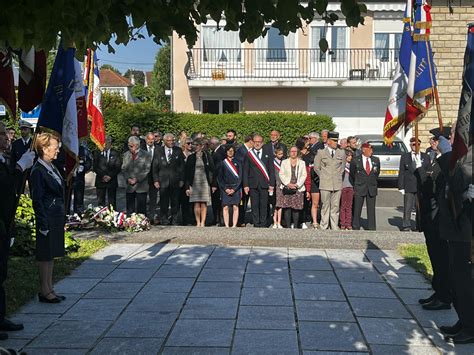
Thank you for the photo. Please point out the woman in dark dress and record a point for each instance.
(47, 192)
(230, 183)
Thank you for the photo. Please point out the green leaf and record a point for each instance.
(323, 45)
(321, 6)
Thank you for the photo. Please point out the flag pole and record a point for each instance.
(435, 89)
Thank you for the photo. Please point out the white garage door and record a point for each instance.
(354, 116)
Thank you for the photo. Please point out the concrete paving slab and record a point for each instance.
(127, 346)
(266, 296)
(403, 349)
(318, 292)
(310, 263)
(315, 277)
(201, 333)
(93, 271)
(358, 275)
(448, 348)
(223, 262)
(143, 261)
(210, 308)
(216, 289)
(368, 290)
(71, 334)
(266, 317)
(36, 323)
(229, 275)
(412, 295)
(34, 351)
(331, 336)
(265, 342)
(324, 311)
(174, 271)
(267, 268)
(142, 325)
(159, 302)
(379, 308)
(130, 275)
(195, 351)
(35, 307)
(95, 310)
(387, 331)
(269, 281)
(108, 290)
(168, 285)
(75, 285)
(406, 280)
(433, 319)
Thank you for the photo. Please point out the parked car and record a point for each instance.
(389, 155)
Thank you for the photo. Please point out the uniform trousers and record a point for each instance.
(358, 204)
(79, 186)
(259, 201)
(136, 202)
(4, 250)
(408, 203)
(462, 282)
(330, 209)
(438, 251)
(111, 193)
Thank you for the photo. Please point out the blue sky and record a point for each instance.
(139, 54)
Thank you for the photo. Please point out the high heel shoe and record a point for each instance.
(44, 299)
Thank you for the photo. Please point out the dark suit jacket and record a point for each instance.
(150, 175)
(85, 160)
(103, 167)
(190, 169)
(47, 196)
(253, 177)
(315, 147)
(168, 173)
(241, 154)
(269, 148)
(364, 185)
(17, 150)
(9, 183)
(407, 180)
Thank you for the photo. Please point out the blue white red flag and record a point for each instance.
(396, 108)
(464, 123)
(59, 112)
(94, 100)
(422, 76)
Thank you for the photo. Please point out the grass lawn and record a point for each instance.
(416, 255)
(23, 279)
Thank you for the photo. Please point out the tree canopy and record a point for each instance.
(110, 67)
(85, 24)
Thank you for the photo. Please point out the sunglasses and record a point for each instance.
(188, 143)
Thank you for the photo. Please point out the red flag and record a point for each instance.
(32, 79)
(94, 104)
(7, 86)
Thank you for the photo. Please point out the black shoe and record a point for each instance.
(463, 337)
(3, 336)
(44, 299)
(436, 305)
(451, 331)
(427, 300)
(406, 229)
(9, 326)
(61, 297)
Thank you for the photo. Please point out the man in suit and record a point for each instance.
(151, 148)
(275, 143)
(258, 180)
(168, 177)
(407, 180)
(158, 139)
(21, 145)
(352, 143)
(107, 165)
(329, 164)
(79, 179)
(134, 131)
(10, 179)
(364, 171)
(324, 137)
(240, 156)
(314, 142)
(456, 223)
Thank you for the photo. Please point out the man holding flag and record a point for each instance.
(457, 206)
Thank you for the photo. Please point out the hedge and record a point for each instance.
(149, 118)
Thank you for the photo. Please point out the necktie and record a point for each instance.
(332, 153)
(169, 155)
(258, 154)
(367, 166)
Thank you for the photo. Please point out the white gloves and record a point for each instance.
(44, 232)
(469, 193)
(26, 160)
(402, 191)
(80, 169)
(12, 241)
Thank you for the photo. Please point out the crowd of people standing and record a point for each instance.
(314, 180)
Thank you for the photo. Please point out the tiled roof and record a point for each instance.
(149, 77)
(109, 78)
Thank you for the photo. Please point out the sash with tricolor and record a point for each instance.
(231, 167)
(259, 164)
(277, 164)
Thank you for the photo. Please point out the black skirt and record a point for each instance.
(52, 245)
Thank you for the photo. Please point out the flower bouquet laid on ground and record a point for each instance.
(109, 219)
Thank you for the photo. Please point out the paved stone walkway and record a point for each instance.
(171, 299)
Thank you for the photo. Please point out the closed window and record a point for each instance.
(384, 42)
(217, 106)
(276, 48)
(219, 45)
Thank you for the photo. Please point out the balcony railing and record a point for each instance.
(291, 64)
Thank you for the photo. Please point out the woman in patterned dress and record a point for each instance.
(199, 177)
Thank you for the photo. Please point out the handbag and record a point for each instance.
(286, 190)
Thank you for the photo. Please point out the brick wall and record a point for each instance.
(448, 39)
